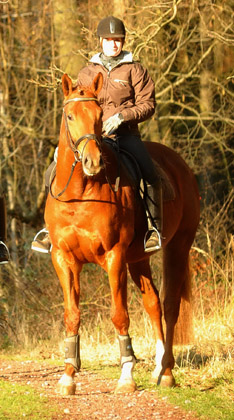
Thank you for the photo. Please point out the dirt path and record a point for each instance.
(94, 398)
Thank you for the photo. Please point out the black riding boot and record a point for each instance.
(4, 252)
(154, 212)
(44, 244)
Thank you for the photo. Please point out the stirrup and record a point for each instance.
(5, 261)
(154, 247)
(44, 230)
(36, 243)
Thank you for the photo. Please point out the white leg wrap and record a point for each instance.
(126, 372)
(66, 380)
(158, 358)
(159, 353)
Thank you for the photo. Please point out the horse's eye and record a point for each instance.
(70, 117)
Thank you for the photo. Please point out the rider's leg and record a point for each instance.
(134, 145)
(154, 217)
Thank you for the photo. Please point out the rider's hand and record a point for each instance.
(56, 154)
(110, 125)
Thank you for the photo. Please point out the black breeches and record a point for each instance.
(134, 145)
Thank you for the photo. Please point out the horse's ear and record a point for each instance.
(97, 84)
(66, 85)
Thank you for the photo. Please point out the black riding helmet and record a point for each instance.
(111, 27)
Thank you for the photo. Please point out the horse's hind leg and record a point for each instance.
(176, 290)
(141, 275)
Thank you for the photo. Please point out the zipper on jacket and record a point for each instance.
(122, 82)
(109, 70)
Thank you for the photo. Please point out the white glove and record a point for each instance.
(110, 125)
(56, 155)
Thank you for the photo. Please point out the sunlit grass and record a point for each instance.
(18, 402)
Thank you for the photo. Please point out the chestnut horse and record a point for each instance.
(90, 222)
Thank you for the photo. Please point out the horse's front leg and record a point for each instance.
(68, 270)
(117, 272)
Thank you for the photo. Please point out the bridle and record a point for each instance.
(78, 155)
(73, 145)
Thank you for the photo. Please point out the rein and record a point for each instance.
(73, 145)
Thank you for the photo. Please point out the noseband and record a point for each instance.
(74, 144)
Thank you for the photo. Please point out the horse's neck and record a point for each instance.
(65, 168)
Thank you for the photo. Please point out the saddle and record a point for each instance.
(128, 161)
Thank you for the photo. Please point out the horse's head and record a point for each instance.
(83, 122)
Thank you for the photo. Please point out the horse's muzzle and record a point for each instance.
(92, 165)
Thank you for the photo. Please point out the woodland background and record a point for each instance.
(187, 47)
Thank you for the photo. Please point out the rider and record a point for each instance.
(4, 253)
(127, 98)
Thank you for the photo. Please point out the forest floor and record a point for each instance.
(94, 398)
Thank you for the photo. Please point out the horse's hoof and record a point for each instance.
(125, 387)
(66, 389)
(166, 381)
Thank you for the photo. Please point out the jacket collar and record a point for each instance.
(126, 58)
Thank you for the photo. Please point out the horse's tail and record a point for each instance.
(184, 327)
(183, 333)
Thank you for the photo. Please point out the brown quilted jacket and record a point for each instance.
(127, 88)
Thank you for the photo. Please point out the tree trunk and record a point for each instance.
(68, 36)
